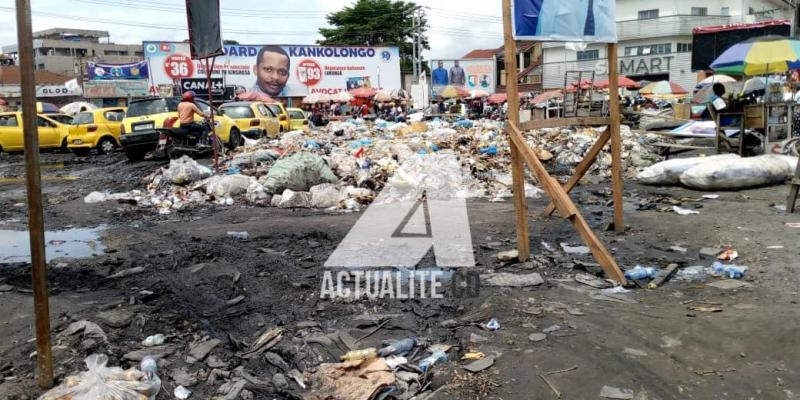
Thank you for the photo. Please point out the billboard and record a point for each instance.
(564, 21)
(281, 70)
(101, 72)
(115, 89)
(470, 74)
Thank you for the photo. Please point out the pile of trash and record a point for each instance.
(721, 172)
(344, 165)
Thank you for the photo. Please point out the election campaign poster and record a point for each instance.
(470, 74)
(98, 71)
(564, 21)
(280, 70)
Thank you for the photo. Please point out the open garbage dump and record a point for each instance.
(343, 166)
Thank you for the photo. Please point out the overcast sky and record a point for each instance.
(456, 26)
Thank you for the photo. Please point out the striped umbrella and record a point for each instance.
(759, 56)
(663, 90)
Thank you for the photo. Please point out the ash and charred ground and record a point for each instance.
(653, 344)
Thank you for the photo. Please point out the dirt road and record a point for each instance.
(684, 340)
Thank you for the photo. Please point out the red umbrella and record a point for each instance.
(498, 98)
(624, 82)
(255, 96)
(547, 96)
(363, 92)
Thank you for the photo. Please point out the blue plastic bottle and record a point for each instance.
(428, 362)
(399, 347)
(639, 273)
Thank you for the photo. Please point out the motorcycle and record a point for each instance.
(175, 142)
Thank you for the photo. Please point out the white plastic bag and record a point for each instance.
(669, 172)
(733, 174)
(185, 170)
(103, 383)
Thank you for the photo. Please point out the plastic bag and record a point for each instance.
(185, 170)
(732, 174)
(669, 172)
(103, 383)
(298, 172)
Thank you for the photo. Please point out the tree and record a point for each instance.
(377, 23)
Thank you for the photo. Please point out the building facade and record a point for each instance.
(655, 39)
(529, 62)
(66, 51)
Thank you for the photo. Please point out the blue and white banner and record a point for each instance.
(565, 20)
(106, 72)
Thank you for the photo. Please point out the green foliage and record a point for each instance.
(377, 23)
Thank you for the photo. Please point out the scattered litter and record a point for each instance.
(711, 196)
(395, 361)
(473, 355)
(102, 382)
(774, 247)
(593, 281)
(492, 325)
(428, 362)
(511, 280)
(615, 290)
(154, 340)
(537, 337)
(185, 170)
(729, 284)
(508, 256)
(705, 309)
(610, 392)
(731, 271)
(634, 352)
(710, 252)
(684, 211)
(551, 329)
(679, 249)
(728, 255)
(581, 250)
(480, 365)
(793, 224)
(669, 172)
(360, 379)
(364, 354)
(640, 273)
(243, 236)
(182, 393)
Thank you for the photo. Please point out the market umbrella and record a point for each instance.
(399, 94)
(497, 98)
(325, 98)
(663, 90)
(544, 97)
(382, 95)
(759, 56)
(478, 93)
(75, 107)
(313, 98)
(364, 92)
(342, 97)
(719, 78)
(757, 83)
(451, 92)
(705, 94)
(623, 82)
(255, 96)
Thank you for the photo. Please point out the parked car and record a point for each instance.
(283, 116)
(60, 118)
(51, 133)
(98, 129)
(297, 119)
(253, 118)
(139, 133)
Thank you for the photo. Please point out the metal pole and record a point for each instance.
(33, 183)
(211, 111)
(414, 46)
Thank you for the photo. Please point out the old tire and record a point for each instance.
(81, 152)
(135, 154)
(106, 145)
(234, 139)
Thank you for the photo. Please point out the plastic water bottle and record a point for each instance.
(428, 362)
(731, 271)
(365, 354)
(243, 236)
(639, 273)
(149, 366)
(398, 347)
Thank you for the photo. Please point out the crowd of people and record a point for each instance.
(321, 113)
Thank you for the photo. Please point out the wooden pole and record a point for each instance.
(616, 140)
(517, 172)
(33, 183)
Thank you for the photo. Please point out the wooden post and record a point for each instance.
(616, 140)
(517, 171)
(33, 183)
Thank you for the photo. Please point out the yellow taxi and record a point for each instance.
(283, 116)
(98, 129)
(144, 117)
(253, 119)
(51, 133)
(297, 119)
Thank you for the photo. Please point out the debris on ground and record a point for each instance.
(102, 382)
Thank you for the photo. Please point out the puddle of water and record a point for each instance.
(71, 243)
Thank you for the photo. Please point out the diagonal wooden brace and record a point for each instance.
(566, 208)
(583, 167)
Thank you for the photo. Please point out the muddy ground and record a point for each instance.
(647, 341)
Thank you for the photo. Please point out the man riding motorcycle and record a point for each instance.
(186, 112)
